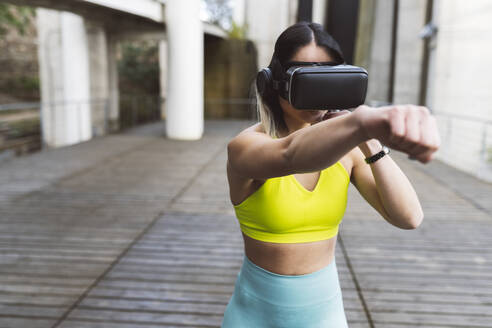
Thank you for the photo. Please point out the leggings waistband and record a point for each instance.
(289, 290)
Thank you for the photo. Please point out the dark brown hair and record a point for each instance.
(288, 43)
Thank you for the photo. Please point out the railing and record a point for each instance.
(19, 106)
(84, 117)
(139, 109)
(241, 108)
(133, 110)
(466, 140)
(466, 143)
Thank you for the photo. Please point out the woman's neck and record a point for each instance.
(293, 124)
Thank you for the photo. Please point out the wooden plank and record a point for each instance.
(30, 299)
(429, 319)
(482, 310)
(68, 226)
(72, 224)
(21, 310)
(19, 322)
(428, 298)
(438, 275)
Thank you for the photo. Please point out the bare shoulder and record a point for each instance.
(250, 138)
(240, 187)
(242, 140)
(255, 128)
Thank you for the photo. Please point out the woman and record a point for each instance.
(288, 178)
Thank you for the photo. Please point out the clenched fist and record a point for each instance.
(407, 128)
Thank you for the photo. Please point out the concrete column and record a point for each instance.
(163, 75)
(99, 76)
(184, 108)
(64, 74)
(113, 113)
(319, 11)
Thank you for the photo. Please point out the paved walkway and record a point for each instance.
(134, 230)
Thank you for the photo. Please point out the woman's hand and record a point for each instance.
(407, 128)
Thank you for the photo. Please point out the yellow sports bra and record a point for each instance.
(283, 211)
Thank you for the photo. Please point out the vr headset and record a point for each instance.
(318, 85)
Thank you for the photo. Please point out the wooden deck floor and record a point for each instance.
(134, 230)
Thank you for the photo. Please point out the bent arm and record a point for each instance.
(386, 188)
(255, 155)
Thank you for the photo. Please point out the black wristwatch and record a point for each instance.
(377, 156)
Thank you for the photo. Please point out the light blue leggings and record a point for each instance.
(263, 299)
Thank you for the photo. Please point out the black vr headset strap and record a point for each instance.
(281, 86)
(264, 81)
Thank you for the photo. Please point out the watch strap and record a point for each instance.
(377, 156)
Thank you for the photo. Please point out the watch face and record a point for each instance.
(385, 149)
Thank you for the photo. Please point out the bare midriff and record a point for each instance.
(290, 258)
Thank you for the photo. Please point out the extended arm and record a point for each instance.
(255, 155)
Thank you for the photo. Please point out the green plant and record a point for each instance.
(16, 17)
(138, 68)
(29, 83)
(23, 86)
(24, 128)
(238, 31)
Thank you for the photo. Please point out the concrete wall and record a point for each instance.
(103, 69)
(265, 21)
(363, 38)
(411, 19)
(230, 68)
(239, 11)
(376, 56)
(379, 52)
(462, 97)
(459, 88)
